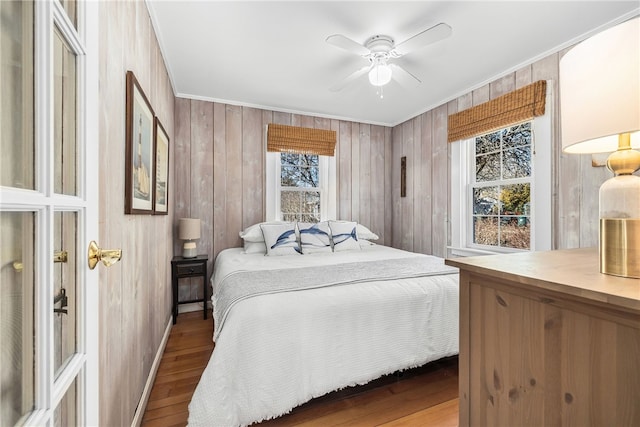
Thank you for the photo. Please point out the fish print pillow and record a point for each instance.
(314, 237)
(280, 239)
(344, 235)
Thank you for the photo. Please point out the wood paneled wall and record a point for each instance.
(220, 172)
(421, 220)
(135, 294)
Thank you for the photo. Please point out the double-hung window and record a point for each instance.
(300, 190)
(501, 189)
(300, 179)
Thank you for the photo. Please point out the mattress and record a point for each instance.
(278, 350)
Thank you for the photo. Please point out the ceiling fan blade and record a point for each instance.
(347, 44)
(404, 77)
(431, 35)
(350, 78)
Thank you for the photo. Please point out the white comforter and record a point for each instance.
(277, 351)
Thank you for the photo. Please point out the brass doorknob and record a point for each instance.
(107, 256)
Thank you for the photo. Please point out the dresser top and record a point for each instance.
(571, 271)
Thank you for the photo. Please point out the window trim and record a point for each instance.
(462, 155)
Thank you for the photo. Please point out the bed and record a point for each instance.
(306, 325)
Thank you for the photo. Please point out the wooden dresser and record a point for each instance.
(547, 340)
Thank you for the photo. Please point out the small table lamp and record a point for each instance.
(600, 108)
(189, 230)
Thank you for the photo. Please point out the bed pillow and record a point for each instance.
(253, 233)
(280, 239)
(314, 237)
(365, 234)
(255, 247)
(344, 235)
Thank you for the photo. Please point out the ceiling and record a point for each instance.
(273, 55)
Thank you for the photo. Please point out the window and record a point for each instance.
(501, 189)
(300, 187)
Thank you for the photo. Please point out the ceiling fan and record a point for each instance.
(380, 50)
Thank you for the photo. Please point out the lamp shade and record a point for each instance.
(189, 229)
(600, 90)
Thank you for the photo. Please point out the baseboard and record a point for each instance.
(144, 399)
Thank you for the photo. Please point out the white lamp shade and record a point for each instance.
(189, 229)
(600, 90)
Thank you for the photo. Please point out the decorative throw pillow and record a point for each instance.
(314, 237)
(344, 235)
(280, 239)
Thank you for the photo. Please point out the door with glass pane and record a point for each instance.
(48, 325)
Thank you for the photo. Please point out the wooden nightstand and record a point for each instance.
(182, 268)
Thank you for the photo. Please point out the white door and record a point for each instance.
(48, 213)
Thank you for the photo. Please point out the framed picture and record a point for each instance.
(161, 182)
(139, 167)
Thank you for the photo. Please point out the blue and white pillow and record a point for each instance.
(314, 237)
(280, 239)
(344, 235)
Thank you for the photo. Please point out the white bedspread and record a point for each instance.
(277, 351)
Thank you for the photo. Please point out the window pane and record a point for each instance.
(485, 230)
(517, 136)
(488, 167)
(16, 102)
(311, 202)
(517, 162)
(17, 364)
(64, 94)
(66, 412)
(289, 159)
(288, 176)
(488, 143)
(515, 232)
(309, 160)
(290, 202)
(516, 199)
(64, 288)
(485, 201)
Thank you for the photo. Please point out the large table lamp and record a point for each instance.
(600, 110)
(189, 230)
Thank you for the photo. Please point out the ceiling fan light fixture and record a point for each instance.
(380, 74)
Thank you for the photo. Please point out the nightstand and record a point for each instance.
(182, 268)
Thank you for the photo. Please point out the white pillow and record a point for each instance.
(256, 247)
(280, 239)
(253, 233)
(365, 234)
(314, 237)
(344, 235)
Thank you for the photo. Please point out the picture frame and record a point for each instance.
(161, 176)
(139, 163)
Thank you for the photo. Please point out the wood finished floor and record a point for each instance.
(426, 396)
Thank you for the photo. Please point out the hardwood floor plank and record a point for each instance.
(443, 415)
(425, 396)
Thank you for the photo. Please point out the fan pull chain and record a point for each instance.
(380, 92)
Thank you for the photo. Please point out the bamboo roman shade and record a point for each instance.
(293, 139)
(514, 107)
